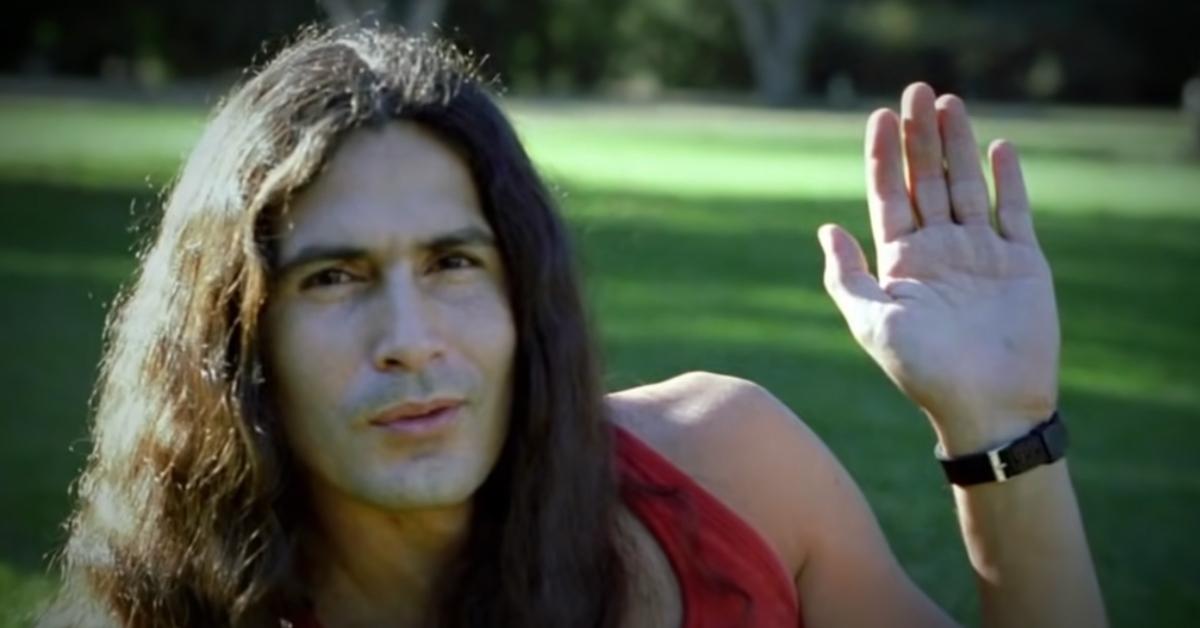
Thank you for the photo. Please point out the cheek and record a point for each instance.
(485, 332)
(301, 382)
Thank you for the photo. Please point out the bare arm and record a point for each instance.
(749, 449)
(1024, 536)
(1027, 545)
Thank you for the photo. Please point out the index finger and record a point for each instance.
(887, 193)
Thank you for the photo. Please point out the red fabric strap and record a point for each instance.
(728, 574)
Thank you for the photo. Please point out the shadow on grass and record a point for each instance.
(57, 247)
(728, 286)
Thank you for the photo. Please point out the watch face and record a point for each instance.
(1055, 437)
(1024, 454)
(1043, 445)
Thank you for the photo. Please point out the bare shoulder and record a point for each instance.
(742, 444)
(686, 412)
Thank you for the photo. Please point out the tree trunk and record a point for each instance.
(1191, 112)
(776, 34)
(345, 12)
(420, 16)
(423, 15)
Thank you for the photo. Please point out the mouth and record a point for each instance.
(419, 419)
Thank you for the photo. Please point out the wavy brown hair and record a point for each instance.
(187, 513)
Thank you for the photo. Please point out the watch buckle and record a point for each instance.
(997, 464)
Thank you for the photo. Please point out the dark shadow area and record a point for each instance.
(63, 254)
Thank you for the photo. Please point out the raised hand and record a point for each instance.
(962, 316)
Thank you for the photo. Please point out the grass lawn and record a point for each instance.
(696, 227)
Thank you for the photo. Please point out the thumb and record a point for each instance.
(847, 278)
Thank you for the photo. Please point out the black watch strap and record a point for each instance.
(1044, 444)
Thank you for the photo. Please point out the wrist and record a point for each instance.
(973, 432)
(1042, 445)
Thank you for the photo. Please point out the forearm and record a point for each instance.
(1026, 541)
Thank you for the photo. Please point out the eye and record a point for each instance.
(326, 277)
(455, 261)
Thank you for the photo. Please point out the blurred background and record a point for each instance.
(694, 146)
(775, 51)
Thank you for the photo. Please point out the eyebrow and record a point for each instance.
(467, 236)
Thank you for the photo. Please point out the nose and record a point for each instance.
(407, 339)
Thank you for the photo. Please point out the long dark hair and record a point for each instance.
(185, 514)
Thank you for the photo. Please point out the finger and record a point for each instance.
(1012, 201)
(968, 190)
(848, 280)
(923, 148)
(887, 196)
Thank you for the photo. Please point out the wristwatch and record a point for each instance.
(1044, 444)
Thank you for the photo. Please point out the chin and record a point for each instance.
(411, 489)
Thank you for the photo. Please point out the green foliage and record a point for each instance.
(696, 226)
(1071, 50)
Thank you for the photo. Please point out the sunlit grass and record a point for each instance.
(1129, 160)
(21, 592)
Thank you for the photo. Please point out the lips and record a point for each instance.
(418, 417)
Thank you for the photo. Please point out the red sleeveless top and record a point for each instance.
(726, 572)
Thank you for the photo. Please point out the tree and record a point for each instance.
(419, 15)
(1191, 111)
(423, 14)
(776, 35)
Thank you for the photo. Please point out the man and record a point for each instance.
(352, 385)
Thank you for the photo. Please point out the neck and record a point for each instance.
(371, 567)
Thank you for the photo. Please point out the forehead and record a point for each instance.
(383, 186)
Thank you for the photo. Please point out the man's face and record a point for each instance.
(388, 303)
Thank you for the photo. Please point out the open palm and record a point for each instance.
(962, 315)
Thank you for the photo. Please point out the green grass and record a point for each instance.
(696, 229)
